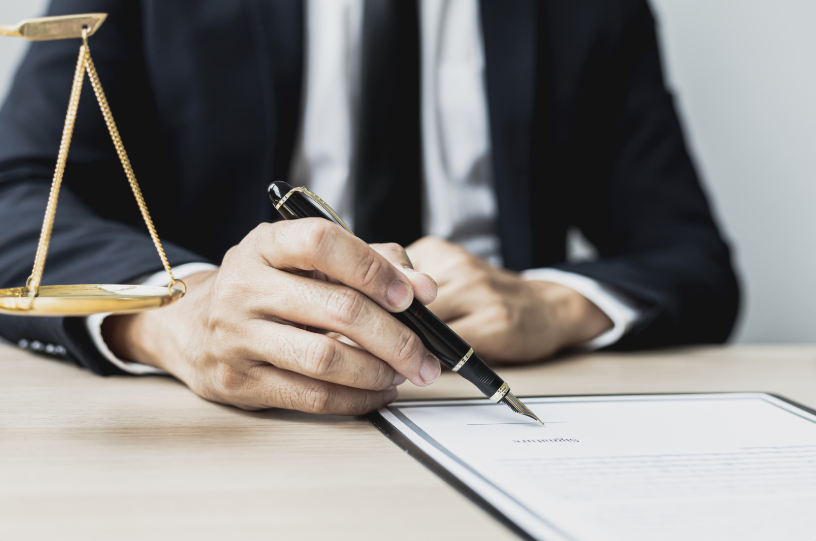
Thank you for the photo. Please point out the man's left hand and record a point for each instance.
(504, 317)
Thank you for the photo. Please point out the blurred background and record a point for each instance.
(745, 84)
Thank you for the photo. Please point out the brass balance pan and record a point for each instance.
(86, 299)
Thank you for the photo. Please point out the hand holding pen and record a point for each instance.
(455, 353)
(239, 335)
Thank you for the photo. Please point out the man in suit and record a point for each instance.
(476, 133)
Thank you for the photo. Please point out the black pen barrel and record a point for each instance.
(437, 337)
(452, 351)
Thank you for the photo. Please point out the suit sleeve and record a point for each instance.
(656, 237)
(86, 247)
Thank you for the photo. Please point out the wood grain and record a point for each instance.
(84, 457)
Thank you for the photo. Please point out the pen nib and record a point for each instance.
(519, 407)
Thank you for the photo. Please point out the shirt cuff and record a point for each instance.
(94, 322)
(619, 307)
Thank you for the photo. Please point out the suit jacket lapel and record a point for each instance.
(509, 33)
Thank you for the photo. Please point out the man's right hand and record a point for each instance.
(240, 334)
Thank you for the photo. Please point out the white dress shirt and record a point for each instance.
(459, 203)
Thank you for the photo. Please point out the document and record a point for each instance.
(630, 467)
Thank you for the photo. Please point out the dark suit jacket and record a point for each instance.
(207, 96)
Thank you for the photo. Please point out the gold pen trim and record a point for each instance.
(519, 407)
(503, 390)
(325, 206)
(463, 360)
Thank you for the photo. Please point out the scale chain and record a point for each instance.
(123, 157)
(85, 64)
(33, 282)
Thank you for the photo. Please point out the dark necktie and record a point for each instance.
(388, 161)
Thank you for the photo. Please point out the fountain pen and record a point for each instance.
(293, 203)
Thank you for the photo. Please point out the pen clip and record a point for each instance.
(320, 203)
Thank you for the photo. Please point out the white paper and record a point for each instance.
(701, 467)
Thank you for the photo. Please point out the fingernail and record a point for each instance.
(399, 295)
(430, 369)
(399, 379)
(390, 396)
(414, 271)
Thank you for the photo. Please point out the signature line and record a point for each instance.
(523, 423)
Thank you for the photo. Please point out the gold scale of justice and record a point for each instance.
(82, 300)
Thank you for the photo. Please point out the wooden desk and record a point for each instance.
(84, 457)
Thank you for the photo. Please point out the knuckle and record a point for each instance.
(320, 355)
(316, 399)
(218, 338)
(232, 255)
(317, 235)
(501, 313)
(482, 278)
(345, 306)
(394, 248)
(367, 404)
(462, 258)
(257, 237)
(369, 268)
(377, 377)
(218, 324)
(229, 288)
(383, 377)
(408, 346)
(229, 379)
(430, 241)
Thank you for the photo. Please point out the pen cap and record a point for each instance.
(278, 190)
(292, 203)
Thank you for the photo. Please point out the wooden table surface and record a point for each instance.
(85, 457)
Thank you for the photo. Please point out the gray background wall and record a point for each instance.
(745, 81)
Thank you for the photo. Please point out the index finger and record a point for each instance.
(317, 244)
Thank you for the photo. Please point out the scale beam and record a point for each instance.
(61, 27)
